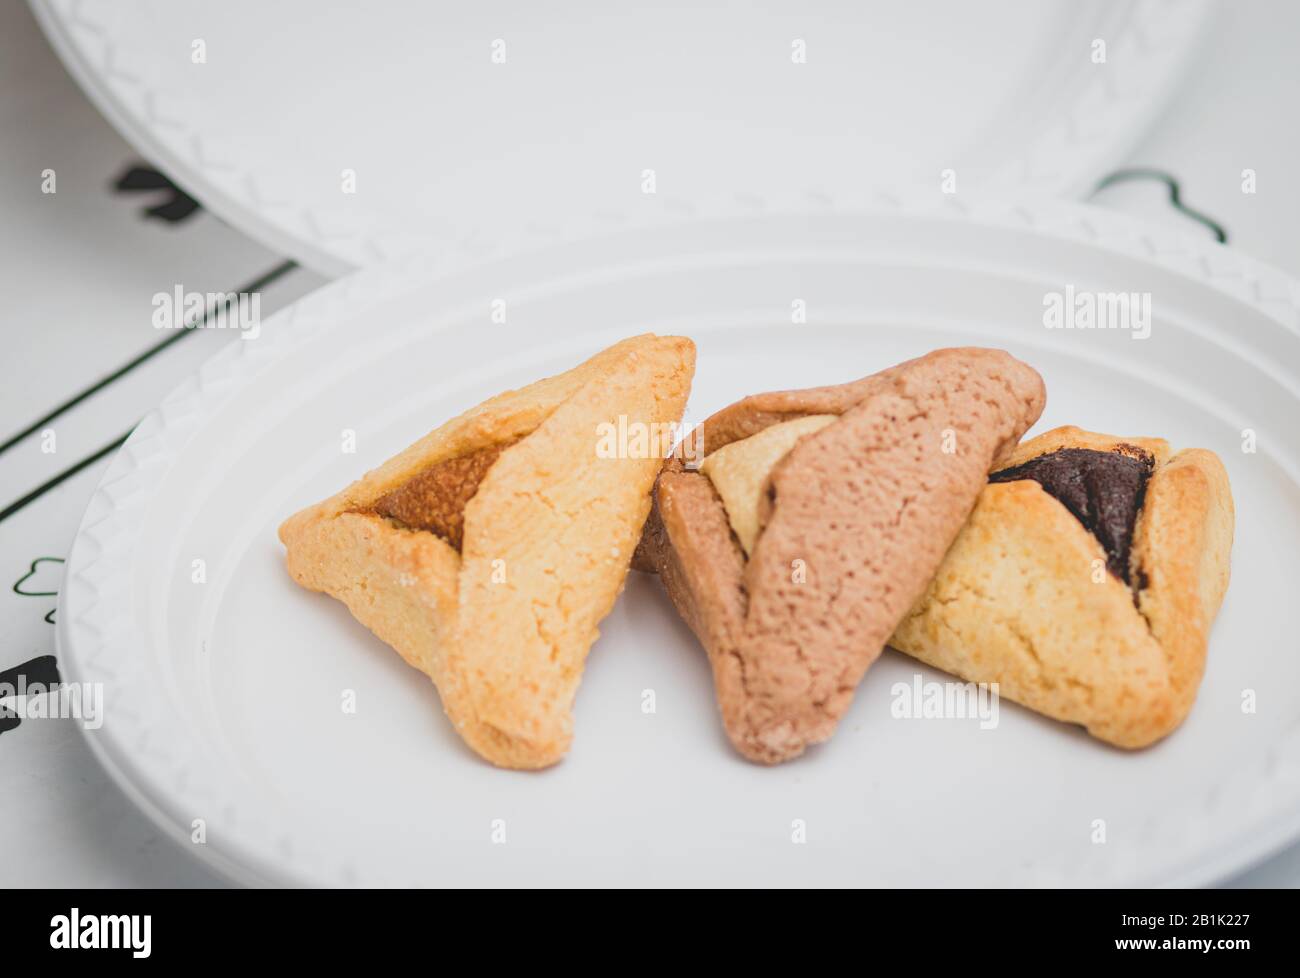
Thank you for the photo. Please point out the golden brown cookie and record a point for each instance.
(1040, 596)
(487, 552)
(850, 524)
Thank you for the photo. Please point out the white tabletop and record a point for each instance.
(80, 267)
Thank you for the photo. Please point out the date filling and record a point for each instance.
(435, 498)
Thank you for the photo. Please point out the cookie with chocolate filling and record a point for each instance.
(487, 552)
(817, 519)
(1085, 582)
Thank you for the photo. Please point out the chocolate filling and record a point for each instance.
(1104, 491)
(435, 498)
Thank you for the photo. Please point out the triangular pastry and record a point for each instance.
(817, 519)
(1085, 582)
(487, 552)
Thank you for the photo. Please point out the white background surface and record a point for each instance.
(78, 270)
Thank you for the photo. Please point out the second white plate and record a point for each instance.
(347, 134)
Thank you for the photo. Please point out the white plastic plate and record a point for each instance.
(349, 134)
(224, 699)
